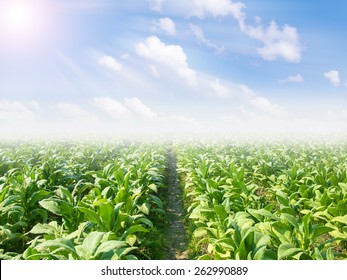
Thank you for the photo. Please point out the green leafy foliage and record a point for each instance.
(79, 201)
(261, 201)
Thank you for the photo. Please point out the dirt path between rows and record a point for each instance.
(176, 237)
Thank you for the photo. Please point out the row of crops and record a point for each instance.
(279, 201)
(79, 201)
(82, 201)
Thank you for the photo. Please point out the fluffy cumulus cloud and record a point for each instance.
(218, 89)
(278, 42)
(203, 8)
(112, 107)
(15, 111)
(264, 105)
(171, 56)
(200, 8)
(126, 109)
(156, 5)
(261, 104)
(333, 77)
(165, 25)
(110, 63)
(292, 79)
(34, 105)
(139, 108)
(247, 92)
(200, 36)
(75, 113)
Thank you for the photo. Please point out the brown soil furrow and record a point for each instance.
(176, 237)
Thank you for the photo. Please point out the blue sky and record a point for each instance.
(172, 65)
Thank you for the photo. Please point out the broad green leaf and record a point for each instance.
(91, 243)
(144, 208)
(51, 206)
(317, 254)
(106, 212)
(42, 229)
(325, 199)
(340, 219)
(57, 207)
(146, 222)
(287, 250)
(58, 243)
(220, 211)
(153, 187)
(110, 245)
(37, 196)
(156, 200)
(319, 230)
(90, 214)
(131, 239)
(261, 240)
(289, 219)
(122, 252)
(200, 232)
(3, 193)
(282, 198)
(263, 213)
(282, 231)
(136, 228)
(330, 254)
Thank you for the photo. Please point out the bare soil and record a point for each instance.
(176, 240)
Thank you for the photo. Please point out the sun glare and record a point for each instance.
(22, 22)
(19, 15)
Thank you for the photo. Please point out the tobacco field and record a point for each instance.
(109, 201)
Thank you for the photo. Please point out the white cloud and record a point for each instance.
(278, 42)
(172, 56)
(125, 56)
(15, 111)
(75, 112)
(156, 5)
(333, 77)
(264, 105)
(200, 36)
(344, 114)
(112, 107)
(127, 109)
(292, 79)
(203, 8)
(34, 105)
(258, 20)
(261, 104)
(219, 89)
(111, 63)
(166, 25)
(139, 108)
(249, 93)
(200, 8)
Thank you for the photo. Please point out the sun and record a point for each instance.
(22, 21)
(19, 15)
